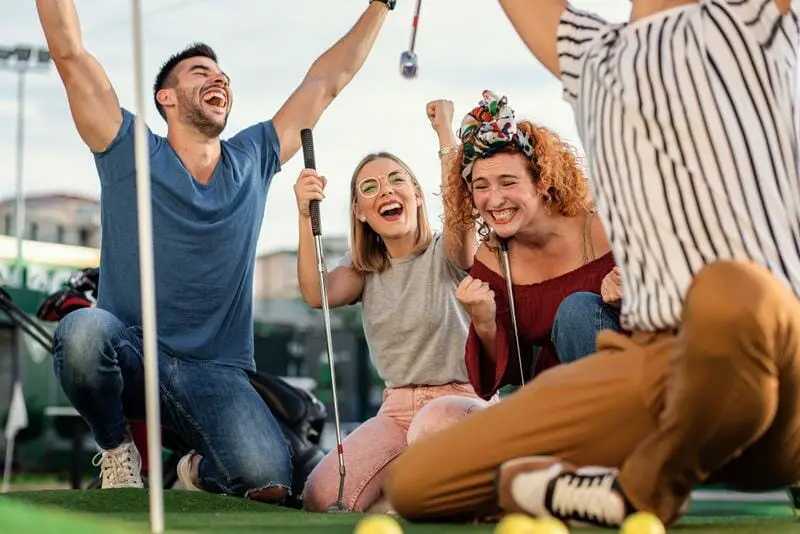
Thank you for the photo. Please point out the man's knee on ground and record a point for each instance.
(264, 484)
(441, 413)
(80, 339)
(266, 477)
(270, 495)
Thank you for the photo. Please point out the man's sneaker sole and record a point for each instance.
(510, 469)
(184, 472)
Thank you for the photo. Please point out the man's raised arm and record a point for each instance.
(536, 22)
(92, 100)
(326, 78)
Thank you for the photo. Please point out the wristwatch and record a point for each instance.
(389, 3)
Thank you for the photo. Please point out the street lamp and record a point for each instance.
(22, 59)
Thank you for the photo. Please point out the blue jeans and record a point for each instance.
(214, 408)
(580, 317)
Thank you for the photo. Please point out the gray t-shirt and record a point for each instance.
(415, 328)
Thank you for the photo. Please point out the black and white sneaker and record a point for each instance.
(544, 486)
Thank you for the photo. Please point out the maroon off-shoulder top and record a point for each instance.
(536, 306)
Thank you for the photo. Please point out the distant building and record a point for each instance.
(276, 272)
(63, 219)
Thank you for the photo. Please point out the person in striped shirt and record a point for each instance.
(687, 113)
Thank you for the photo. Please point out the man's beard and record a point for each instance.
(193, 114)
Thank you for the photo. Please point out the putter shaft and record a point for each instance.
(512, 308)
(414, 25)
(323, 290)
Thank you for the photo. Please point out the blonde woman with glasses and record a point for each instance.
(405, 277)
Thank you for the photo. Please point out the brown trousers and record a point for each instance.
(718, 401)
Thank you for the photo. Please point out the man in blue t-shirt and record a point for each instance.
(208, 198)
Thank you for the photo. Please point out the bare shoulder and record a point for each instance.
(600, 241)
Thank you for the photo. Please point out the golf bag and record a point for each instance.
(300, 414)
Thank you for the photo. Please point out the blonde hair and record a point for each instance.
(369, 254)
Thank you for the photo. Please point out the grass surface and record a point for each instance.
(126, 512)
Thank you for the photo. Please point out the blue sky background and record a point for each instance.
(266, 46)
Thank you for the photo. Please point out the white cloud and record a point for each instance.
(266, 47)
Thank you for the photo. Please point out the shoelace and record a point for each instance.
(116, 465)
(585, 498)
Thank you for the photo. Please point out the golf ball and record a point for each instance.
(643, 523)
(378, 524)
(516, 524)
(550, 525)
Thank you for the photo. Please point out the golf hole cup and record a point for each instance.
(408, 65)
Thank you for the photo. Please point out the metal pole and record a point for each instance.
(147, 276)
(19, 346)
(20, 209)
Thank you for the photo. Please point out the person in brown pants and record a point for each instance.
(685, 113)
(719, 401)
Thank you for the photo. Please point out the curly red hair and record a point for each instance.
(555, 170)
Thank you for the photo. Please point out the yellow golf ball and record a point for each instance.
(550, 525)
(643, 523)
(378, 524)
(516, 524)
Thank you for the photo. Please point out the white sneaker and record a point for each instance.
(543, 486)
(120, 467)
(185, 472)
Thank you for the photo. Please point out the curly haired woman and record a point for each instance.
(524, 188)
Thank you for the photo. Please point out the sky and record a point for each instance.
(266, 46)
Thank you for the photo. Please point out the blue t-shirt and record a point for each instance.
(204, 241)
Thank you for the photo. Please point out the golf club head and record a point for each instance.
(408, 65)
(337, 508)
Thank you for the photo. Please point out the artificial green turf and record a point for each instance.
(126, 512)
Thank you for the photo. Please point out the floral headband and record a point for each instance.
(487, 128)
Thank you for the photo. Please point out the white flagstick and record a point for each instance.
(17, 420)
(149, 331)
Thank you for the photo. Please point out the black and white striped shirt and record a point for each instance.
(687, 118)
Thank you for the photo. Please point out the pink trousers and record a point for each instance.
(406, 415)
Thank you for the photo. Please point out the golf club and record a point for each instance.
(307, 141)
(18, 317)
(512, 306)
(408, 59)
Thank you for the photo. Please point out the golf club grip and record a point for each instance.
(307, 140)
(316, 227)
